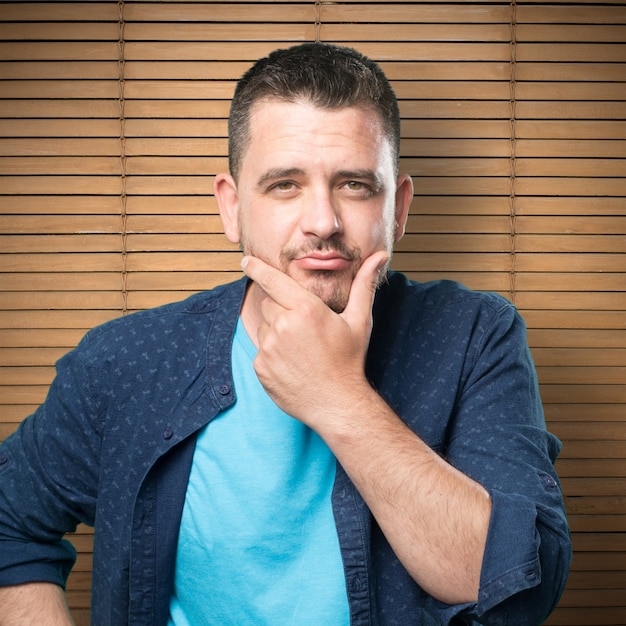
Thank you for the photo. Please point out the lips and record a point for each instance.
(323, 262)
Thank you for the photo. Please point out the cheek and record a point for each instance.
(377, 234)
(263, 238)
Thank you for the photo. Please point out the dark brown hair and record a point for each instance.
(326, 75)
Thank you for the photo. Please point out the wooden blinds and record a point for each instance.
(113, 123)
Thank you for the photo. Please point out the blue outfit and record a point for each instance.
(257, 542)
(114, 441)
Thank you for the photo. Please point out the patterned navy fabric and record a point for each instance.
(113, 443)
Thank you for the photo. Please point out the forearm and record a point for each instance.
(435, 518)
(34, 604)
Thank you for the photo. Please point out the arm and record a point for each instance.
(434, 517)
(47, 482)
(34, 604)
(311, 361)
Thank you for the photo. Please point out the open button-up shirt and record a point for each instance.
(112, 447)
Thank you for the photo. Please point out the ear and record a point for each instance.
(404, 196)
(225, 191)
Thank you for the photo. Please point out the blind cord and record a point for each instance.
(122, 147)
(513, 164)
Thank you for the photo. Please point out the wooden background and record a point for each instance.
(113, 123)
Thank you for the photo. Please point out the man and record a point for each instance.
(323, 442)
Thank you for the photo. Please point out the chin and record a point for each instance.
(334, 291)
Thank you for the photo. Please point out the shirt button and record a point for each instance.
(224, 389)
(548, 481)
(531, 574)
(168, 433)
(3, 458)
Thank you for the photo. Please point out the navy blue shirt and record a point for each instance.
(112, 447)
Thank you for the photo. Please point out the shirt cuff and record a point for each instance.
(22, 562)
(511, 561)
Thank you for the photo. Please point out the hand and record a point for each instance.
(311, 360)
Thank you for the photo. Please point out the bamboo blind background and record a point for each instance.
(113, 123)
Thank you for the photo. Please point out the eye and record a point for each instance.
(283, 186)
(355, 185)
(358, 187)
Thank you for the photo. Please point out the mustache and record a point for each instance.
(333, 245)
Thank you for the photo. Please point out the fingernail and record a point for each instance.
(244, 262)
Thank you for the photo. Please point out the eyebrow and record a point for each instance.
(290, 172)
(363, 174)
(277, 173)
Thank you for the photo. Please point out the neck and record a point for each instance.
(251, 315)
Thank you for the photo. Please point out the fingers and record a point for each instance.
(364, 287)
(276, 284)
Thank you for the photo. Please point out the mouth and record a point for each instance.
(323, 261)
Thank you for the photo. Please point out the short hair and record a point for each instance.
(327, 75)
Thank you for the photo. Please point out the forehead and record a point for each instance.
(277, 125)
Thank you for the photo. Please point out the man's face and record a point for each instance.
(316, 194)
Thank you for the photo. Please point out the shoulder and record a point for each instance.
(222, 298)
(440, 297)
(168, 327)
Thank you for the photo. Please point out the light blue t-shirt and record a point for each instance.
(258, 543)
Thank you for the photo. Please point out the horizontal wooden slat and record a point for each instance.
(58, 51)
(59, 69)
(63, 262)
(193, 261)
(561, 32)
(612, 301)
(58, 11)
(62, 204)
(582, 281)
(570, 14)
(595, 430)
(593, 393)
(571, 129)
(565, 71)
(92, 89)
(60, 128)
(59, 224)
(571, 206)
(573, 357)
(570, 243)
(70, 31)
(25, 374)
(61, 300)
(592, 467)
(601, 580)
(571, 262)
(274, 13)
(594, 505)
(59, 147)
(564, 338)
(55, 319)
(572, 91)
(182, 280)
(580, 411)
(413, 12)
(39, 338)
(30, 357)
(80, 166)
(571, 52)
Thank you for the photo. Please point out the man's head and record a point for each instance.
(314, 188)
(327, 76)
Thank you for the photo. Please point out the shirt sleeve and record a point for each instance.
(48, 478)
(499, 439)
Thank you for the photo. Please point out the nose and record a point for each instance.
(320, 216)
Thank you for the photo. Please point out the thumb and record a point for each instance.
(363, 290)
